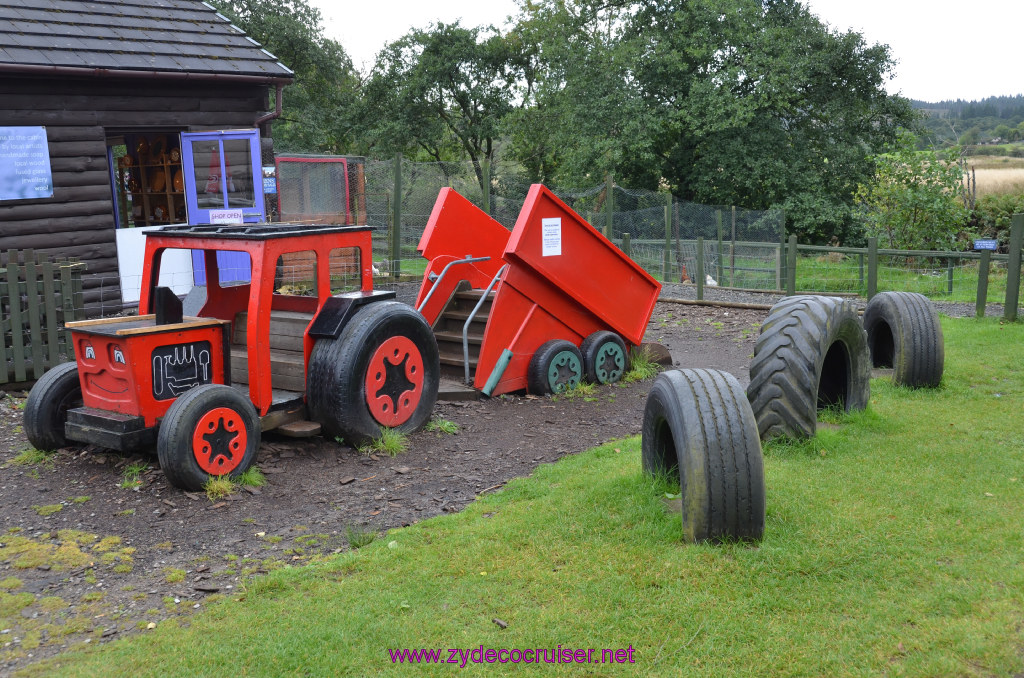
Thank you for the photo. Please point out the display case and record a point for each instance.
(152, 181)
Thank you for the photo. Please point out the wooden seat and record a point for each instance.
(287, 361)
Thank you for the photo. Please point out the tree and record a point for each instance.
(748, 102)
(442, 92)
(912, 200)
(319, 105)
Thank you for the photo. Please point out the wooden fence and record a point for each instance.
(784, 274)
(36, 298)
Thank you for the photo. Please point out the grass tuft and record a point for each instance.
(251, 477)
(438, 425)
(641, 367)
(218, 487)
(582, 391)
(391, 442)
(32, 457)
(358, 537)
(131, 476)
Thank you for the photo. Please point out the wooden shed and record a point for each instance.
(112, 83)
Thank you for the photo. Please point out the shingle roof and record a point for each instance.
(173, 36)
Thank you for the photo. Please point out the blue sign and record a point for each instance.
(24, 164)
(986, 244)
(269, 179)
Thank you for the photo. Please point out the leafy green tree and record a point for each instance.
(747, 102)
(442, 92)
(912, 200)
(319, 105)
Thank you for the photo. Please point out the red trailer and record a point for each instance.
(539, 308)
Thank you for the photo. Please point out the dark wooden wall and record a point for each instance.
(78, 221)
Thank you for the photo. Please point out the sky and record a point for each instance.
(944, 49)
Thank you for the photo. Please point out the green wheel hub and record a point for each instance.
(610, 363)
(564, 372)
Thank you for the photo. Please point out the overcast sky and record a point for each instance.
(945, 49)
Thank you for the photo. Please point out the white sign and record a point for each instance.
(226, 217)
(552, 236)
(24, 164)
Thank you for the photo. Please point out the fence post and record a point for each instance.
(626, 249)
(700, 268)
(780, 260)
(721, 247)
(791, 266)
(3, 351)
(1013, 268)
(17, 331)
(34, 314)
(668, 241)
(396, 219)
(609, 209)
(872, 266)
(949, 275)
(732, 251)
(487, 186)
(986, 255)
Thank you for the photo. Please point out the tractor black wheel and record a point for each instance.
(46, 409)
(904, 334)
(812, 354)
(698, 428)
(605, 357)
(210, 430)
(556, 367)
(382, 371)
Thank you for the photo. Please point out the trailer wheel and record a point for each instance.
(47, 405)
(556, 367)
(698, 427)
(812, 354)
(604, 357)
(904, 334)
(383, 370)
(210, 430)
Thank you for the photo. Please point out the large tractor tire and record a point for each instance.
(699, 428)
(812, 354)
(904, 334)
(605, 357)
(210, 430)
(556, 367)
(46, 409)
(382, 371)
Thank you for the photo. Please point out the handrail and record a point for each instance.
(472, 314)
(468, 260)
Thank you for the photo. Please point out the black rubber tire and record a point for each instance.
(812, 353)
(181, 424)
(47, 405)
(336, 389)
(904, 333)
(556, 367)
(699, 428)
(605, 357)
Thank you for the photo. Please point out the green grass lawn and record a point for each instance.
(893, 546)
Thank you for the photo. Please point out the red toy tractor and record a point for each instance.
(291, 336)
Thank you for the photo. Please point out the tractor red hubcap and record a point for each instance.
(219, 441)
(394, 381)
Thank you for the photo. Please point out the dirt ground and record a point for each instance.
(85, 558)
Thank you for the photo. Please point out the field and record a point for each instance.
(892, 546)
(998, 174)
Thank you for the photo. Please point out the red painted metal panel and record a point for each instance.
(457, 228)
(118, 373)
(557, 244)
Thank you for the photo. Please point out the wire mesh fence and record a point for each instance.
(744, 249)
